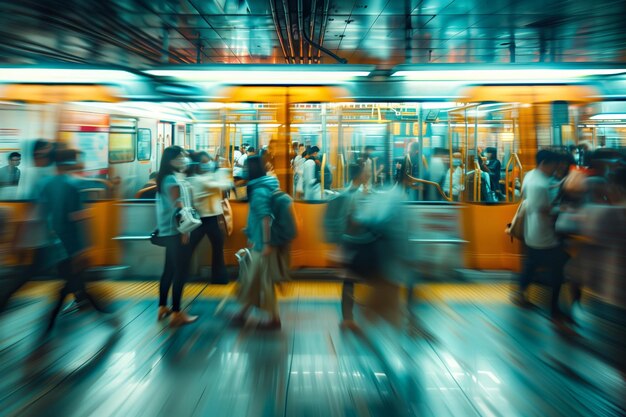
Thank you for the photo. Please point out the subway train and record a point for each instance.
(413, 128)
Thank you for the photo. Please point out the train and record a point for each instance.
(122, 120)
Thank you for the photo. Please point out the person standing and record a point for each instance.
(208, 187)
(543, 247)
(453, 178)
(172, 189)
(10, 173)
(311, 185)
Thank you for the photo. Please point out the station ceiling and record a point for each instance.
(381, 32)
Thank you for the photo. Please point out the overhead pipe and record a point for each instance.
(279, 31)
(300, 29)
(323, 30)
(70, 25)
(288, 24)
(320, 49)
(312, 28)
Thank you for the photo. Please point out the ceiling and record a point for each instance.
(382, 32)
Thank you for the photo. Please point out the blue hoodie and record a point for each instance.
(260, 194)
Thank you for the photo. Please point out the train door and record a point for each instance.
(164, 139)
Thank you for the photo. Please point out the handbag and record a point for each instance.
(227, 217)
(515, 229)
(157, 240)
(188, 217)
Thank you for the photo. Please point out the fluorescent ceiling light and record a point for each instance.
(259, 77)
(63, 76)
(609, 116)
(440, 105)
(518, 76)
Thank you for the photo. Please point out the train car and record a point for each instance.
(415, 125)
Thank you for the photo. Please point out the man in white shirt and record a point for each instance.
(543, 248)
(311, 185)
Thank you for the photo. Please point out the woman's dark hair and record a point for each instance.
(196, 160)
(493, 151)
(355, 170)
(165, 168)
(256, 167)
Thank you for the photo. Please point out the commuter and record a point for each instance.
(494, 168)
(269, 156)
(172, 196)
(543, 247)
(454, 178)
(10, 173)
(359, 177)
(236, 154)
(34, 236)
(66, 216)
(208, 187)
(311, 184)
(270, 257)
(298, 171)
(437, 171)
(240, 164)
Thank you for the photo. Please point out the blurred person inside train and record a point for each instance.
(173, 194)
(240, 163)
(63, 210)
(494, 167)
(369, 162)
(311, 184)
(269, 155)
(298, 171)
(437, 171)
(10, 173)
(148, 190)
(42, 167)
(269, 258)
(236, 154)
(543, 247)
(454, 177)
(208, 186)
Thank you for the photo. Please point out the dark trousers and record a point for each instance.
(553, 260)
(211, 228)
(347, 299)
(175, 270)
(74, 284)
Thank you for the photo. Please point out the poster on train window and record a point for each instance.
(94, 144)
(144, 144)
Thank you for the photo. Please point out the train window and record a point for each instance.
(144, 144)
(121, 147)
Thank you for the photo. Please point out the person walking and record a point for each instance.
(543, 247)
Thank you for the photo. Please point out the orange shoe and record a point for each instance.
(180, 318)
(163, 312)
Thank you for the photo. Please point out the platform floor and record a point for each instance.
(474, 354)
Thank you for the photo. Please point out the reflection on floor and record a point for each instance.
(473, 355)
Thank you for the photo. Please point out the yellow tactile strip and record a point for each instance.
(460, 292)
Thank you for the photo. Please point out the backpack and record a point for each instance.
(283, 228)
(336, 218)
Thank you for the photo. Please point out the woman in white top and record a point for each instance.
(208, 185)
(311, 185)
(454, 176)
(298, 171)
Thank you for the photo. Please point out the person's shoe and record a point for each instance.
(163, 312)
(270, 325)
(559, 316)
(348, 324)
(520, 300)
(220, 281)
(180, 318)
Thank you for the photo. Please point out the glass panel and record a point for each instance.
(144, 144)
(121, 147)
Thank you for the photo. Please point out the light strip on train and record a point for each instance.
(515, 76)
(261, 77)
(63, 76)
(609, 116)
